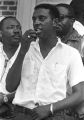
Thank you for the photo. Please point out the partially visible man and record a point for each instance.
(43, 69)
(78, 7)
(65, 27)
(70, 36)
(10, 30)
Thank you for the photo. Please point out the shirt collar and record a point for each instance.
(59, 42)
(13, 57)
(15, 54)
(4, 54)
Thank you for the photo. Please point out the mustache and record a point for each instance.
(16, 35)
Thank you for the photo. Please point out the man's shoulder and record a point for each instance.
(70, 49)
(75, 36)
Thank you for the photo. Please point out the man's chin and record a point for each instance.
(16, 40)
(15, 43)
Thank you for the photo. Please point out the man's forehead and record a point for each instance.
(41, 11)
(63, 10)
(10, 21)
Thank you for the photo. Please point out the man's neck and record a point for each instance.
(47, 45)
(9, 50)
(65, 37)
(48, 42)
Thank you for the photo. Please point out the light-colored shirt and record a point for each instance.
(45, 81)
(79, 27)
(5, 65)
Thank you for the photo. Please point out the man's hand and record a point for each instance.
(10, 96)
(28, 37)
(41, 112)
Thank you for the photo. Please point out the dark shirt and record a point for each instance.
(73, 39)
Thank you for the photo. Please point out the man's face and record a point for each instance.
(64, 22)
(11, 32)
(42, 22)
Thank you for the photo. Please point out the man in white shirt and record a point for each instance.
(43, 70)
(10, 30)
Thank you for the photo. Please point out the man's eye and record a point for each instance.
(13, 27)
(42, 18)
(10, 27)
(33, 18)
(19, 27)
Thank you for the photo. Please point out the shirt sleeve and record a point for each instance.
(76, 70)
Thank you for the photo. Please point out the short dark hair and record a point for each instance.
(68, 7)
(8, 17)
(78, 6)
(53, 11)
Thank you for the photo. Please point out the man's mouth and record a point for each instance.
(17, 37)
(38, 31)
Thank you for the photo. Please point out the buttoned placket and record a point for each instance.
(43, 60)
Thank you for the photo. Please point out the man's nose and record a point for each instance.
(37, 21)
(16, 29)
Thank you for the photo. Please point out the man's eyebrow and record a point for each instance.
(38, 16)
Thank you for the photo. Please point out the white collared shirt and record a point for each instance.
(45, 81)
(5, 65)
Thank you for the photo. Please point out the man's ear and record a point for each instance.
(73, 20)
(55, 21)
